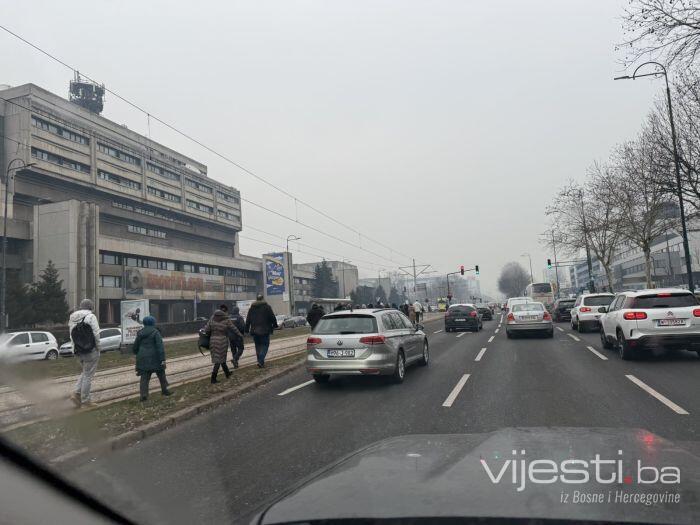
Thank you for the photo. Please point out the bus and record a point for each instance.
(540, 292)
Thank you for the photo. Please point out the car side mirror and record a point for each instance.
(420, 327)
(602, 309)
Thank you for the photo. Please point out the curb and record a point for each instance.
(75, 457)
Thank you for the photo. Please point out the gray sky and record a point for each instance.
(441, 128)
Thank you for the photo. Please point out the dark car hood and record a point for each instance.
(424, 476)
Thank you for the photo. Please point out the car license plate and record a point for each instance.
(531, 317)
(597, 317)
(341, 353)
(460, 320)
(671, 322)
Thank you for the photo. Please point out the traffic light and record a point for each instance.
(549, 264)
(476, 269)
(461, 269)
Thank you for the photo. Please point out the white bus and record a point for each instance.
(540, 292)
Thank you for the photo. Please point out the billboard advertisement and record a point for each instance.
(275, 283)
(243, 307)
(168, 284)
(132, 314)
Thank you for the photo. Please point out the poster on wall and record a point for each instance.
(274, 274)
(132, 314)
(170, 284)
(243, 307)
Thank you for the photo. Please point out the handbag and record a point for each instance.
(204, 341)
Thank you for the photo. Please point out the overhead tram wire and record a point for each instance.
(313, 228)
(208, 148)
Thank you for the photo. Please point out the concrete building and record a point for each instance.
(344, 273)
(120, 215)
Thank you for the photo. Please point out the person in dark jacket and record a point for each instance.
(150, 357)
(236, 341)
(315, 314)
(260, 323)
(219, 328)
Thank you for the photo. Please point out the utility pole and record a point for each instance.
(556, 267)
(414, 271)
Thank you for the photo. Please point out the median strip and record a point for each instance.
(455, 391)
(666, 401)
(480, 354)
(597, 353)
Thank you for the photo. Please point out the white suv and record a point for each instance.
(585, 312)
(653, 319)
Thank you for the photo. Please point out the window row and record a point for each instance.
(228, 198)
(58, 130)
(142, 230)
(233, 288)
(227, 215)
(199, 206)
(61, 161)
(164, 194)
(116, 179)
(162, 171)
(110, 281)
(198, 186)
(247, 277)
(118, 154)
(149, 212)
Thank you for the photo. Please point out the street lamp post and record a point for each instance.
(532, 279)
(291, 273)
(3, 285)
(556, 265)
(343, 270)
(676, 161)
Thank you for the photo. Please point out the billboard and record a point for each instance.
(132, 314)
(243, 307)
(169, 284)
(275, 283)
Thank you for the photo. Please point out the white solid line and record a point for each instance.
(597, 353)
(491, 338)
(573, 337)
(560, 328)
(461, 334)
(666, 401)
(480, 354)
(455, 391)
(290, 390)
(437, 331)
(495, 331)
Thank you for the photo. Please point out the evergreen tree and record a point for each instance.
(49, 298)
(363, 295)
(20, 313)
(394, 297)
(380, 294)
(324, 285)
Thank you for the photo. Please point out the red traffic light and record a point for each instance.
(461, 269)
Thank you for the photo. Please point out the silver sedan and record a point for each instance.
(528, 318)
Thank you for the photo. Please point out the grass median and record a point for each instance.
(66, 366)
(50, 439)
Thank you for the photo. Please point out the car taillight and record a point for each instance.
(373, 340)
(311, 341)
(472, 314)
(547, 316)
(696, 312)
(633, 316)
(510, 317)
(584, 309)
(664, 294)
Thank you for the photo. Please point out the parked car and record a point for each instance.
(463, 317)
(280, 321)
(27, 346)
(485, 311)
(295, 321)
(110, 339)
(365, 342)
(561, 310)
(527, 318)
(657, 320)
(585, 314)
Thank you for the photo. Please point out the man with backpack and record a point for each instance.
(85, 335)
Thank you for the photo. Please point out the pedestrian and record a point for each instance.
(412, 313)
(338, 307)
(404, 308)
(395, 306)
(218, 328)
(315, 314)
(418, 308)
(364, 305)
(150, 357)
(84, 333)
(237, 343)
(370, 305)
(260, 323)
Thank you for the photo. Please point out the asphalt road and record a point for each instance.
(220, 466)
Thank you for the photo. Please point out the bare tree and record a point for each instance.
(513, 279)
(665, 30)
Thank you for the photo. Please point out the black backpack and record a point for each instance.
(83, 338)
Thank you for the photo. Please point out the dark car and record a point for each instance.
(485, 311)
(462, 317)
(295, 321)
(561, 310)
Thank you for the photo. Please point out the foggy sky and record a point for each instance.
(441, 128)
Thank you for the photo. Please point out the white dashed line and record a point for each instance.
(290, 390)
(560, 328)
(573, 337)
(437, 331)
(496, 331)
(455, 391)
(461, 334)
(491, 338)
(666, 401)
(480, 354)
(597, 353)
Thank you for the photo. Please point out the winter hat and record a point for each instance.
(149, 320)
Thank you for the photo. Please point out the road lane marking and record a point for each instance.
(666, 401)
(491, 338)
(573, 337)
(480, 354)
(455, 391)
(461, 334)
(597, 353)
(560, 328)
(290, 390)
(437, 331)
(495, 331)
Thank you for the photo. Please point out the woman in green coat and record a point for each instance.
(150, 357)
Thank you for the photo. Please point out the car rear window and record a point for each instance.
(664, 300)
(463, 310)
(541, 288)
(567, 304)
(598, 300)
(527, 307)
(346, 324)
